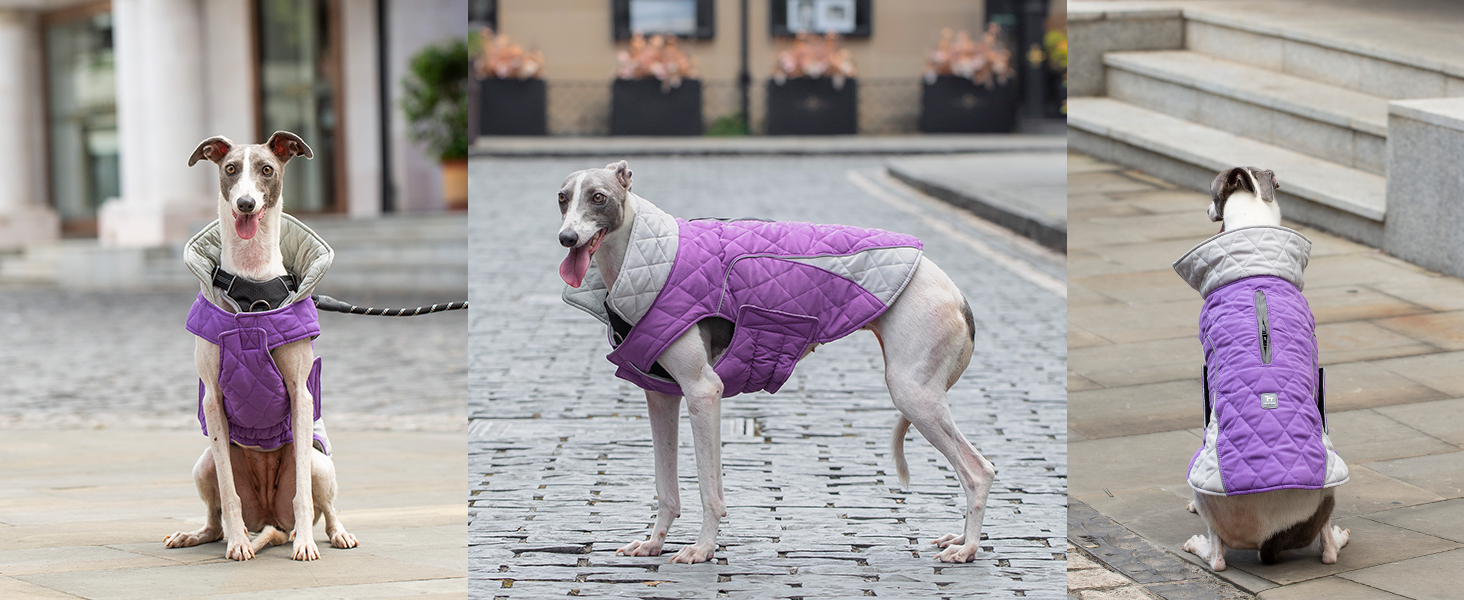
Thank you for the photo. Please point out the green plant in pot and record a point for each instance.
(435, 103)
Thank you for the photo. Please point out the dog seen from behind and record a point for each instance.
(1265, 474)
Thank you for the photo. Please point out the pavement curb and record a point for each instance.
(1030, 226)
(537, 147)
(1159, 572)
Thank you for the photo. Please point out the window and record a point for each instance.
(298, 83)
(81, 102)
(483, 13)
(683, 18)
(849, 18)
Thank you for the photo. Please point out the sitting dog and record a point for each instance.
(1265, 474)
(267, 467)
(709, 309)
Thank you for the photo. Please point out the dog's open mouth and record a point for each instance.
(575, 265)
(246, 225)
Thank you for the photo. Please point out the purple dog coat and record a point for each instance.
(783, 285)
(255, 399)
(1265, 426)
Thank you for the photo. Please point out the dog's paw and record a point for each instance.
(239, 549)
(958, 553)
(1196, 544)
(305, 549)
(694, 553)
(1191, 507)
(342, 540)
(1341, 535)
(950, 539)
(641, 548)
(184, 539)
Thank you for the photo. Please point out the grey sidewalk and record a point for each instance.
(1022, 191)
(549, 147)
(560, 449)
(1390, 338)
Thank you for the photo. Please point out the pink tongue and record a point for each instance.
(246, 225)
(573, 269)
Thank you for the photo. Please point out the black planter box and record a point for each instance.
(512, 107)
(640, 107)
(958, 105)
(806, 106)
(1056, 93)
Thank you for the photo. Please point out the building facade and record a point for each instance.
(103, 102)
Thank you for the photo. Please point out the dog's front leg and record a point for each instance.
(236, 536)
(686, 359)
(294, 361)
(665, 413)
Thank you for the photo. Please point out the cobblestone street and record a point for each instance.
(560, 460)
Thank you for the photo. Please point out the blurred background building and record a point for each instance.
(102, 102)
(888, 42)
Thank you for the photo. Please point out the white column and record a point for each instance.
(360, 129)
(161, 113)
(229, 57)
(25, 216)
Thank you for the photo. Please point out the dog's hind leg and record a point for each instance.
(665, 413)
(295, 361)
(927, 343)
(208, 489)
(236, 536)
(323, 486)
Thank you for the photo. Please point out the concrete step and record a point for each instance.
(1345, 201)
(1329, 122)
(1362, 48)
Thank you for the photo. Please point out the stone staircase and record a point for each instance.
(396, 253)
(1237, 88)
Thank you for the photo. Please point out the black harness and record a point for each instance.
(255, 296)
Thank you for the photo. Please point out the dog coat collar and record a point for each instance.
(784, 286)
(254, 296)
(306, 256)
(1265, 424)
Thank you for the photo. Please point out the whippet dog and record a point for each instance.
(927, 337)
(249, 488)
(1243, 506)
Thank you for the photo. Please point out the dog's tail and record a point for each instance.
(269, 536)
(897, 444)
(323, 302)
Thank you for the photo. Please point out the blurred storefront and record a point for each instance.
(103, 102)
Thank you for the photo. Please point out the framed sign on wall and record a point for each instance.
(848, 18)
(682, 18)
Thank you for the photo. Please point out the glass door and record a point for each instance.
(298, 87)
(81, 104)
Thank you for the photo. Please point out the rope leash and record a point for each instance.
(323, 302)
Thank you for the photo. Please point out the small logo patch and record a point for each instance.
(1268, 400)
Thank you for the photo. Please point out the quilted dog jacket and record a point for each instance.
(784, 286)
(1265, 422)
(255, 399)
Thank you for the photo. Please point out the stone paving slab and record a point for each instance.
(560, 454)
(1387, 342)
(623, 146)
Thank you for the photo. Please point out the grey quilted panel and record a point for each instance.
(648, 260)
(306, 256)
(590, 295)
(1245, 252)
(883, 272)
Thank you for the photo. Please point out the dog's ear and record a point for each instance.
(214, 149)
(1226, 183)
(622, 173)
(1268, 184)
(286, 145)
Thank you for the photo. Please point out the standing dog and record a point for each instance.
(1265, 474)
(725, 331)
(266, 468)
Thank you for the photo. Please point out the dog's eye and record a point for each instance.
(563, 198)
(231, 169)
(267, 170)
(599, 198)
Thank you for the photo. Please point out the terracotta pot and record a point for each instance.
(455, 183)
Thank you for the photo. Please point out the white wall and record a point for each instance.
(361, 104)
(412, 25)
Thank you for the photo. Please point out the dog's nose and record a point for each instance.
(245, 204)
(568, 239)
